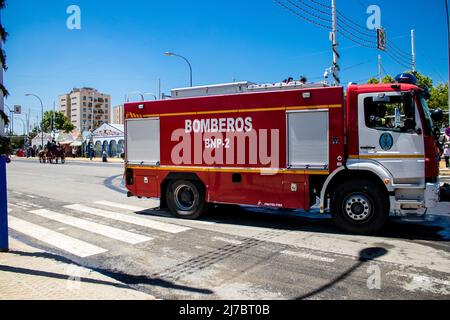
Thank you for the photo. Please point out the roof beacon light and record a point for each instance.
(406, 78)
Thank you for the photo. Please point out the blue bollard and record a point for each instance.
(4, 242)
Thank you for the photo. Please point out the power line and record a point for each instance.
(321, 4)
(396, 60)
(327, 13)
(307, 12)
(346, 27)
(302, 16)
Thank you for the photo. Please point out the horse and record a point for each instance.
(56, 153)
(42, 156)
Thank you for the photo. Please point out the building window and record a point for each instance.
(84, 98)
(84, 104)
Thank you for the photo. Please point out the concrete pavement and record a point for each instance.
(27, 273)
(233, 253)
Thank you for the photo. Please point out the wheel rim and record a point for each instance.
(358, 208)
(184, 197)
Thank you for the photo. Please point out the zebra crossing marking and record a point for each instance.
(58, 240)
(107, 231)
(148, 223)
(121, 206)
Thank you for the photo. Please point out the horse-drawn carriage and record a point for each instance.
(52, 154)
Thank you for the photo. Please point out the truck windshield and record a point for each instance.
(427, 113)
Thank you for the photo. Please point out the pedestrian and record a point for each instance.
(447, 156)
(105, 156)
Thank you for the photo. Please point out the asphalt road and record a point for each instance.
(233, 253)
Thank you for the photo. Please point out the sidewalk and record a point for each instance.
(444, 170)
(28, 273)
(69, 159)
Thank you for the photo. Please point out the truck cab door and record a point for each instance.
(391, 134)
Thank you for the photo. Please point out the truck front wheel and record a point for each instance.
(186, 199)
(360, 207)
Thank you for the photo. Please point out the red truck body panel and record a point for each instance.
(268, 111)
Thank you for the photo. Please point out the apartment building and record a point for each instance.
(86, 108)
(118, 115)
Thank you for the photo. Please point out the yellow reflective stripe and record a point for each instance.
(332, 106)
(388, 156)
(231, 170)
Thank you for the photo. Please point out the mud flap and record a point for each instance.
(445, 193)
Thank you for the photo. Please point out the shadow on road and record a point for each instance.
(127, 279)
(365, 256)
(309, 222)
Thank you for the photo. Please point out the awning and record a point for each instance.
(76, 144)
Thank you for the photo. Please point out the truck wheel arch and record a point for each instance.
(371, 172)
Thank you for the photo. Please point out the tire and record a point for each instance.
(360, 207)
(186, 199)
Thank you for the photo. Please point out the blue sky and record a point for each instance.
(121, 44)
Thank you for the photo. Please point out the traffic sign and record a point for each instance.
(17, 109)
(381, 39)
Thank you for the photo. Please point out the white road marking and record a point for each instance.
(121, 206)
(230, 241)
(110, 232)
(308, 256)
(29, 205)
(419, 282)
(74, 246)
(148, 223)
(30, 196)
(15, 205)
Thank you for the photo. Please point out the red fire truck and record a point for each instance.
(362, 155)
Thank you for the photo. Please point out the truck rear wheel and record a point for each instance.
(360, 207)
(186, 199)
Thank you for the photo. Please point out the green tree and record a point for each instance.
(61, 122)
(439, 100)
(422, 80)
(373, 80)
(387, 79)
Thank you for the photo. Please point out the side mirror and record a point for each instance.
(436, 133)
(437, 115)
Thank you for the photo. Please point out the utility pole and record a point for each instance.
(159, 88)
(53, 120)
(380, 76)
(333, 37)
(413, 47)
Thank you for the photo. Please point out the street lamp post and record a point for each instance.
(171, 54)
(42, 115)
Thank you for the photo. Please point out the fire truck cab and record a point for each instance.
(362, 155)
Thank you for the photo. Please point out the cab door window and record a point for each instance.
(390, 113)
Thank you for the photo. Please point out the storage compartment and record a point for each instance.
(307, 140)
(143, 141)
